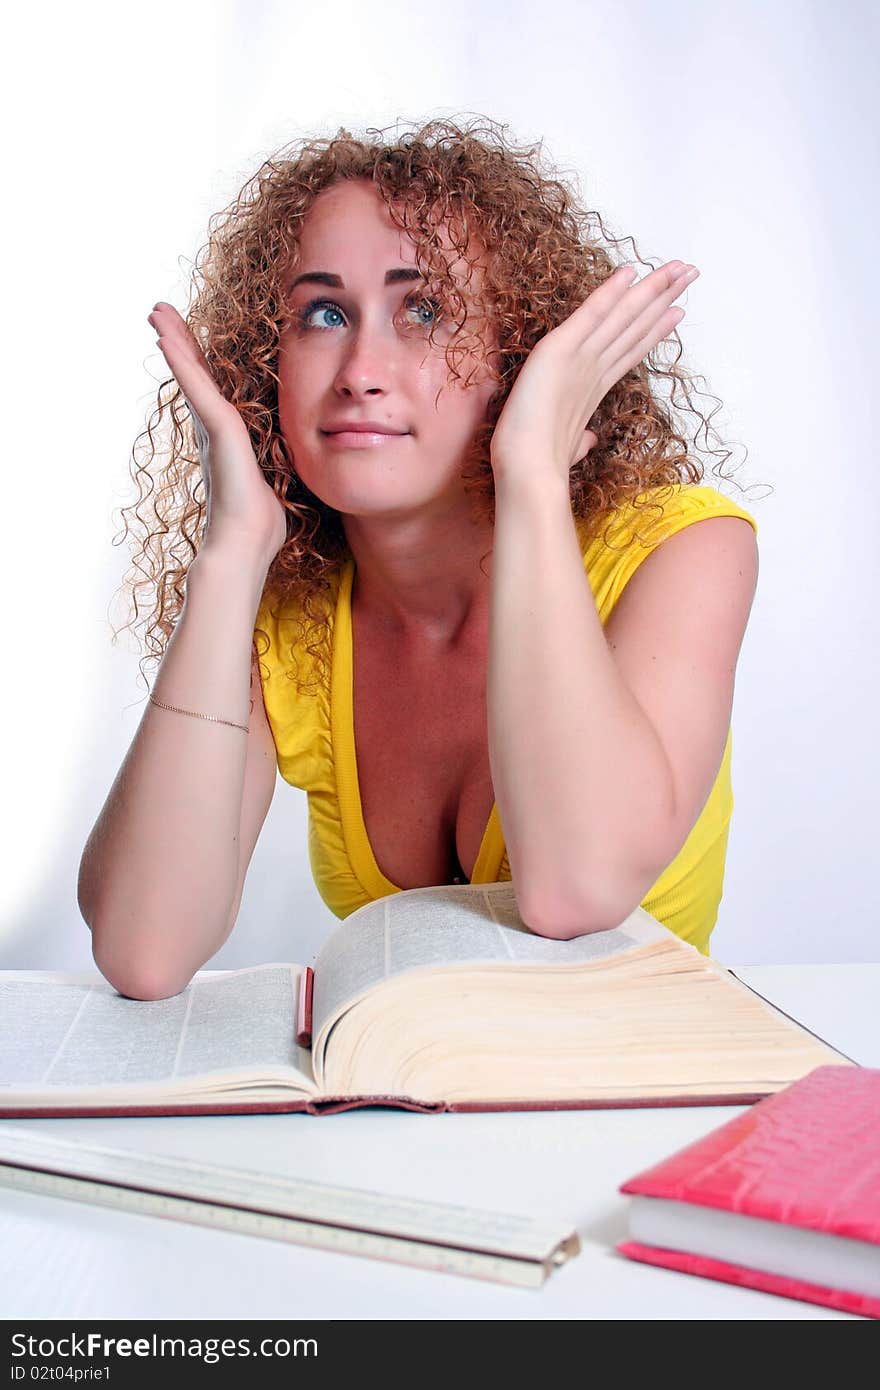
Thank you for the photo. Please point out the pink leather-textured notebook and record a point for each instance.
(784, 1198)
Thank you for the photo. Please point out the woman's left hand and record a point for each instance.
(543, 426)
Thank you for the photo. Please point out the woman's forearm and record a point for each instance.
(159, 871)
(583, 784)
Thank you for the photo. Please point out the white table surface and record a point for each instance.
(67, 1259)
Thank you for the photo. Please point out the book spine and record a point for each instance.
(304, 1008)
(328, 1105)
(844, 1301)
(610, 1102)
(95, 1110)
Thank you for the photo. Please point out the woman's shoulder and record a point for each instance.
(624, 540)
(657, 512)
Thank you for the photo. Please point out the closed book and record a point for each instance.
(432, 999)
(784, 1198)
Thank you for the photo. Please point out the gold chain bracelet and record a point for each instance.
(194, 715)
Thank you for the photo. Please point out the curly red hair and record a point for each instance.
(546, 257)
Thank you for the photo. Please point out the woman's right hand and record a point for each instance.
(242, 509)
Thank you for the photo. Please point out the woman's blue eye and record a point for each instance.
(328, 306)
(324, 305)
(427, 304)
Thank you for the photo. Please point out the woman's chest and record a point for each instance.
(421, 746)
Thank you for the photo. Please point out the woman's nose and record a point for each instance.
(370, 360)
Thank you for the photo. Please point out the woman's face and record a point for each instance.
(357, 350)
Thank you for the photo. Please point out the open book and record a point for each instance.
(431, 999)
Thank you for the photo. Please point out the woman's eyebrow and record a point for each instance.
(324, 277)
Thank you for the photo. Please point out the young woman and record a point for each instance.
(422, 495)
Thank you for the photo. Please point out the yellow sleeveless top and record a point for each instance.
(314, 737)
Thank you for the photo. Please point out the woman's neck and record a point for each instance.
(419, 579)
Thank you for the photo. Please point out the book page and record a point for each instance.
(450, 925)
(776, 1247)
(69, 1032)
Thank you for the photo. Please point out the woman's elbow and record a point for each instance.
(559, 923)
(134, 983)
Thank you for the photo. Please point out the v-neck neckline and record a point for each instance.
(357, 843)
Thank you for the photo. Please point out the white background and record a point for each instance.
(740, 136)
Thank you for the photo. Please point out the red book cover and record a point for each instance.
(808, 1156)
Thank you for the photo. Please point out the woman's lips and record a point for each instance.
(360, 439)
